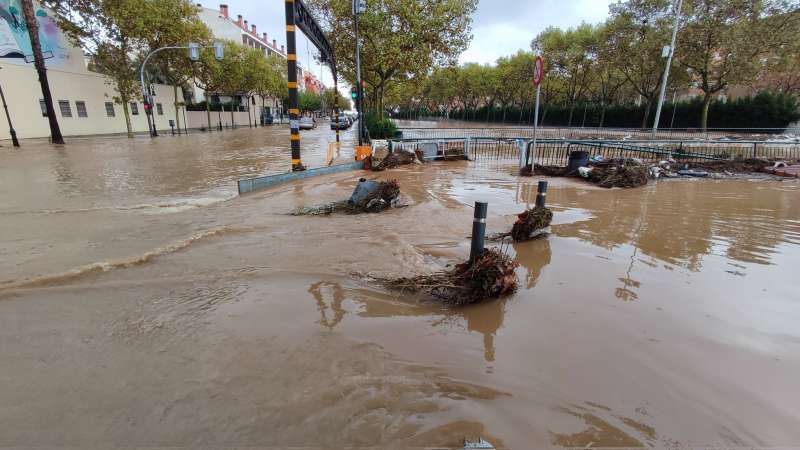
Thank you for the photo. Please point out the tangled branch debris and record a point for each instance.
(624, 173)
(377, 197)
(531, 224)
(492, 275)
(398, 158)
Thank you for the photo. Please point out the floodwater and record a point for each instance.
(661, 317)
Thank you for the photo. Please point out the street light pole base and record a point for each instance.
(298, 168)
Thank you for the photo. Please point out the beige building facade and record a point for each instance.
(83, 100)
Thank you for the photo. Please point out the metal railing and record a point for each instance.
(556, 151)
(723, 134)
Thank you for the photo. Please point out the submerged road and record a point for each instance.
(142, 304)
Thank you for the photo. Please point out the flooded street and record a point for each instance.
(143, 304)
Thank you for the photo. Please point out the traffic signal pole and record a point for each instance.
(294, 107)
(359, 90)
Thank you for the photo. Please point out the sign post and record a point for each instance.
(298, 16)
(538, 75)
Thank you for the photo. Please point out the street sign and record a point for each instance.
(538, 71)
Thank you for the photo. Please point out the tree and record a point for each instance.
(609, 78)
(639, 29)
(209, 75)
(402, 39)
(116, 34)
(570, 53)
(726, 41)
(182, 26)
(38, 59)
(310, 101)
(270, 80)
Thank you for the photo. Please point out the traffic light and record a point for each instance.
(354, 94)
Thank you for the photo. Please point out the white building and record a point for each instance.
(83, 100)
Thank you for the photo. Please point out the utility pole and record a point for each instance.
(41, 70)
(359, 7)
(669, 65)
(11, 131)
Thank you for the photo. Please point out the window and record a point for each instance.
(66, 111)
(110, 109)
(43, 107)
(134, 109)
(80, 106)
(160, 109)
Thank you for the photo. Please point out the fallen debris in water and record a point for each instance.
(398, 158)
(492, 275)
(480, 444)
(369, 196)
(624, 173)
(531, 224)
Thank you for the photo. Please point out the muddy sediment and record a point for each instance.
(261, 335)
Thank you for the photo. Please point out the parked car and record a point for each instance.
(343, 124)
(268, 119)
(307, 123)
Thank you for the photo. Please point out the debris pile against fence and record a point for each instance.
(399, 158)
(492, 275)
(531, 224)
(624, 173)
(368, 197)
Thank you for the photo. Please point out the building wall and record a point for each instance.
(69, 79)
(23, 92)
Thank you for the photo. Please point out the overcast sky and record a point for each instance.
(500, 27)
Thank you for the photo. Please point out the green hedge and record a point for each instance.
(767, 110)
(380, 127)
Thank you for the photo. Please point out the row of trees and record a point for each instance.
(118, 34)
(722, 43)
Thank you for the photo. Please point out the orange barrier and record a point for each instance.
(363, 152)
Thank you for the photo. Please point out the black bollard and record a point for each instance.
(478, 230)
(541, 196)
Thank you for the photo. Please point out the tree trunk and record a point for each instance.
(249, 117)
(704, 114)
(208, 113)
(602, 115)
(233, 122)
(177, 111)
(41, 70)
(571, 110)
(646, 114)
(125, 103)
(585, 108)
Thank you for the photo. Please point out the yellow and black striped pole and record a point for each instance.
(336, 105)
(294, 111)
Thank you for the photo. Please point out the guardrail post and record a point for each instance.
(467, 145)
(541, 196)
(523, 153)
(478, 230)
(755, 146)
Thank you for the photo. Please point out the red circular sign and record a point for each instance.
(538, 71)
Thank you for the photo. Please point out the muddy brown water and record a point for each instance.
(662, 317)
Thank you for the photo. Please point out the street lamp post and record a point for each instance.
(11, 131)
(194, 55)
(669, 65)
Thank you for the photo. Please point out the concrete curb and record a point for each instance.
(255, 184)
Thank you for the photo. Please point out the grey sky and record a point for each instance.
(500, 27)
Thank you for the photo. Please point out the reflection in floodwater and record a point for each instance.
(680, 222)
(329, 297)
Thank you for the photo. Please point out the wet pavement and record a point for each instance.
(662, 317)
